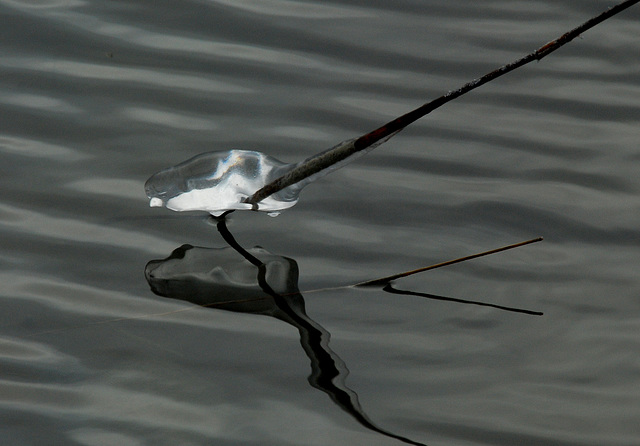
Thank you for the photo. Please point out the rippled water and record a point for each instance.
(96, 96)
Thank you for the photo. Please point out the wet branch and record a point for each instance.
(348, 148)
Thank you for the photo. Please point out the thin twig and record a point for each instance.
(348, 148)
(385, 280)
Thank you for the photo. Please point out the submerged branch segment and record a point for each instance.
(381, 134)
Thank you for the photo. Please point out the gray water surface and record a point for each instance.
(96, 96)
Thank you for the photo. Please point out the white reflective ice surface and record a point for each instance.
(217, 182)
(220, 181)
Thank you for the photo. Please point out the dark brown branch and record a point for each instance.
(348, 148)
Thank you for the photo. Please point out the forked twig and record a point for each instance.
(385, 282)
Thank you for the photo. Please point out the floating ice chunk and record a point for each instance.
(217, 182)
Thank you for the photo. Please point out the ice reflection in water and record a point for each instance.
(258, 282)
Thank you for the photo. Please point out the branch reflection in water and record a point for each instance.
(258, 282)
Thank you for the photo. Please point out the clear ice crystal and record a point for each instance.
(217, 182)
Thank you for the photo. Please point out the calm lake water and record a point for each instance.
(96, 96)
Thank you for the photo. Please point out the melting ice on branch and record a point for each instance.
(217, 182)
(220, 181)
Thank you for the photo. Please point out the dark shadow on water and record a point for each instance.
(258, 282)
(390, 289)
